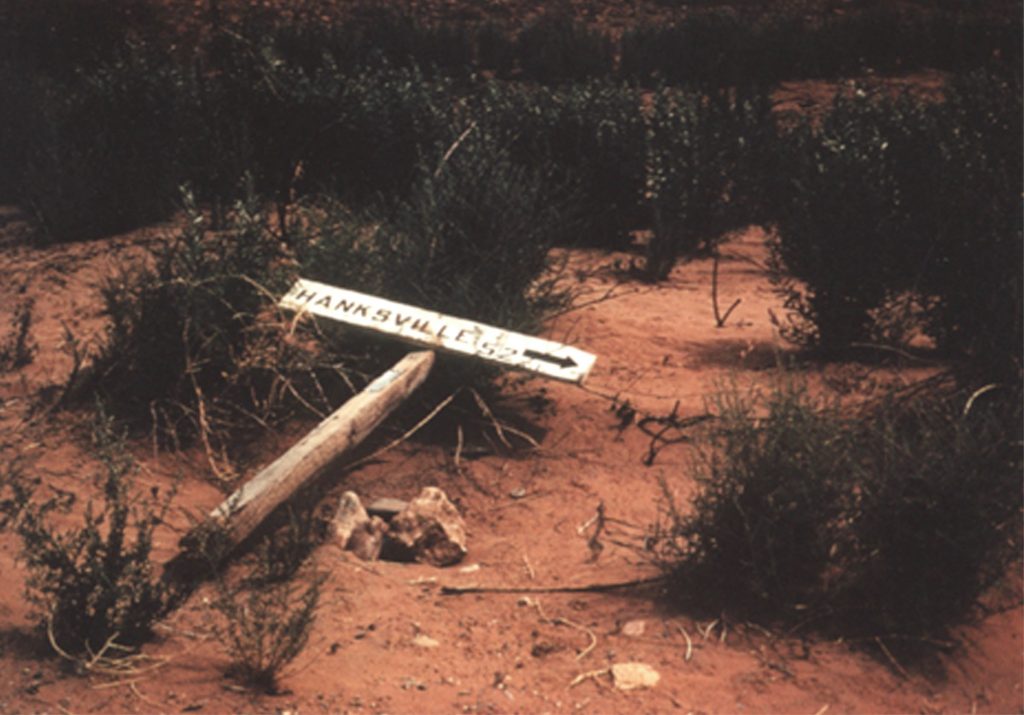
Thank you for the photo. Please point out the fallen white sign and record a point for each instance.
(444, 332)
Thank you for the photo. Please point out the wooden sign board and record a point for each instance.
(438, 331)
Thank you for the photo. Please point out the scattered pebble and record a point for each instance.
(422, 640)
(631, 676)
(634, 628)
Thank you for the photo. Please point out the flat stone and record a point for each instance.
(386, 507)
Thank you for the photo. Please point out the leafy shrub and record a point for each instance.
(554, 48)
(97, 157)
(194, 349)
(587, 135)
(888, 523)
(874, 203)
(93, 586)
(839, 222)
(704, 157)
(971, 209)
(771, 488)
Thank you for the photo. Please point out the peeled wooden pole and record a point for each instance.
(242, 512)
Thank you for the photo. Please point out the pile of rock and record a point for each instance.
(428, 529)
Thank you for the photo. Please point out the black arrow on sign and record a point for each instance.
(563, 363)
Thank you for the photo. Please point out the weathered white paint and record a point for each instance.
(444, 332)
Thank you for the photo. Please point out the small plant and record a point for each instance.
(268, 625)
(93, 586)
(18, 349)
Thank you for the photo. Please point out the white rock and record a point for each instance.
(634, 628)
(350, 516)
(430, 530)
(631, 676)
(422, 640)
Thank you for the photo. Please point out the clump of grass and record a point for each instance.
(765, 519)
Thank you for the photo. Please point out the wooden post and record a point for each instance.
(242, 512)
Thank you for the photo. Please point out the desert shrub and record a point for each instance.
(890, 196)
(705, 154)
(94, 586)
(555, 48)
(472, 239)
(98, 156)
(839, 217)
(937, 513)
(890, 522)
(195, 347)
(974, 249)
(589, 135)
(267, 626)
(771, 481)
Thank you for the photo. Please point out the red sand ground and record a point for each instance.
(496, 652)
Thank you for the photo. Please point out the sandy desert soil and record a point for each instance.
(495, 652)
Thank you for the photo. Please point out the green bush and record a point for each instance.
(555, 48)
(195, 347)
(98, 156)
(772, 480)
(94, 586)
(899, 196)
(588, 135)
(705, 154)
(891, 522)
